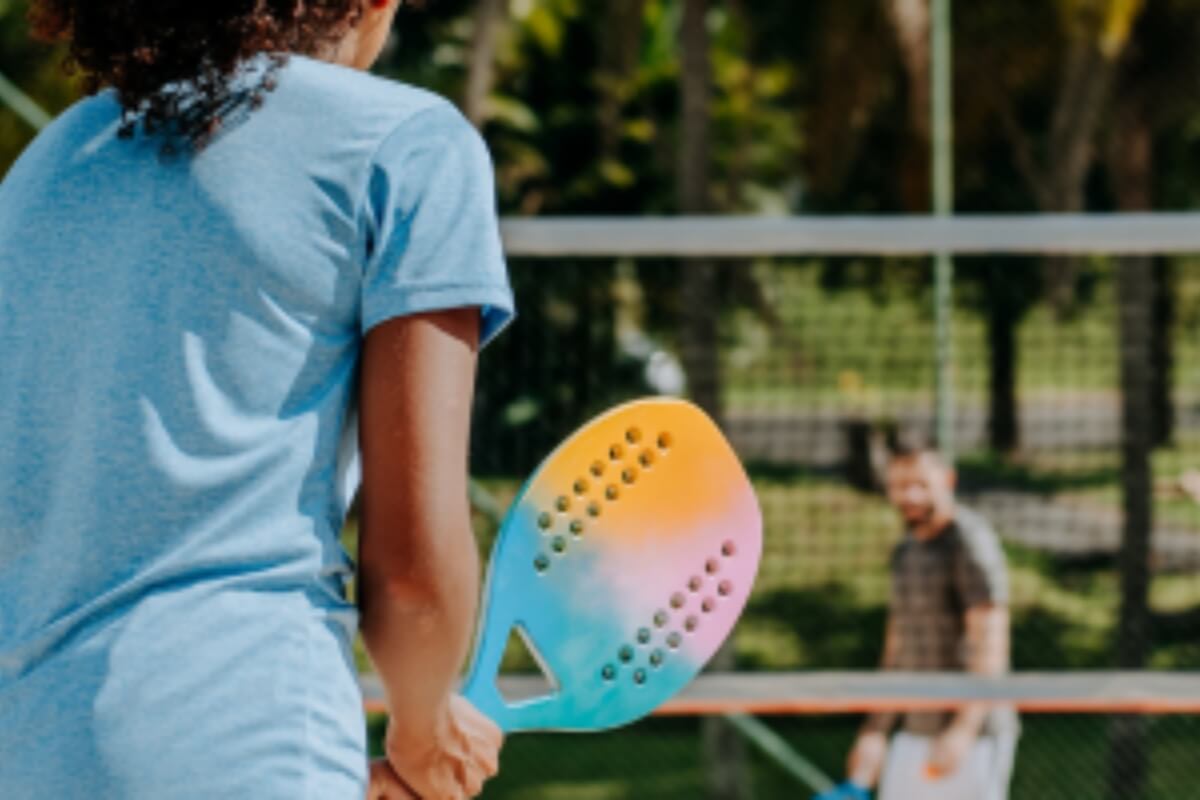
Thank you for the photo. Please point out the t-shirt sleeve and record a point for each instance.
(980, 571)
(432, 232)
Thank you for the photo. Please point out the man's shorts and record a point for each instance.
(983, 775)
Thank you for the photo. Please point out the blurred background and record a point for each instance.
(1069, 386)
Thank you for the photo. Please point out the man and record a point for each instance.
(948, 612)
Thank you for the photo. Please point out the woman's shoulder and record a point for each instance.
(79, 128)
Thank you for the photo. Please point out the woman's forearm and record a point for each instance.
(417, 623)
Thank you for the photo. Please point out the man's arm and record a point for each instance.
(987, 641)
(988, 644)
(981, 581)
(870, 749)
(885, 720)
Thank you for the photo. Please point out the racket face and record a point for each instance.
(625, 561)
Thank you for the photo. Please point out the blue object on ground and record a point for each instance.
(845, 791)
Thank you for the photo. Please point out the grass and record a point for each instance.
(1058, 758)
(868, 352)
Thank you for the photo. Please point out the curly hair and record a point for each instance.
(147, 49)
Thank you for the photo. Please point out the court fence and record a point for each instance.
(1075, 380)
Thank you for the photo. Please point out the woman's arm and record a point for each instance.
(418, 563)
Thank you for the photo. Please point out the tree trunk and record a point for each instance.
(1131, 164)
(481, 67)
(1162, 355)
(699, 290)
(1087, 78)
(1058, 181)
(1145, 387)
(724, 752)
(910, 20)
(1004, 433)
(1089, 69)
(1127, 735)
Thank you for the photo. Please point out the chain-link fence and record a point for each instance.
(813, 363)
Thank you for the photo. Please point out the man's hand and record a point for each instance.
(866, 759)
(949, 751)
(450, 762)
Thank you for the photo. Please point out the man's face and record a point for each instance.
(921, 488)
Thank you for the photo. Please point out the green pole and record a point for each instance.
(776, 748)
(22, 105)
(943, 206)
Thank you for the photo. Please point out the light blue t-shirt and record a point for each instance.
(179, 345)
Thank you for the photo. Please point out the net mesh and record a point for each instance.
(812, 363)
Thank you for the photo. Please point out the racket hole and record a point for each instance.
(581, 486)
(558, 544)
(625, 654)
(609, 673)
(593, 509)
(708, 605)
(674, 640)
(545, 520)
(711, 566)
(612, 492)
(597, 468)
(690, 624)
(629, 475)
(665, 440)
(577, 527)
(656, 658)
(695, 583)
(639, 676)
(643, 636)
(677, 600)
(616, 452)
(725, 588)
(661, 618)
(633, 435)
(541, 563)
(728, 549)
(563, 503)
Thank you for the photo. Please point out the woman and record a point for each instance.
(236, 261)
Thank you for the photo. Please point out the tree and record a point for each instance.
(911, 23)
(1161, 54)
(37, 69)
(1154, 87)
(1056, 165)
(728, 779)
(620, 55)
(1127, 736)
(481, 60)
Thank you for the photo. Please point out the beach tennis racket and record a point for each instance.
(624, 563)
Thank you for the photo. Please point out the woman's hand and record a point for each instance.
(451, 762)
(385, 784)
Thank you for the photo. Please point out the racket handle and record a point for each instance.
(485, 696)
